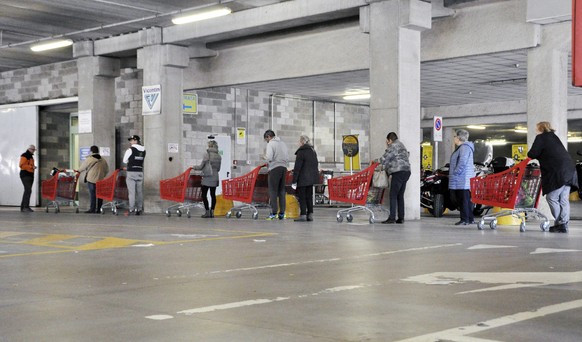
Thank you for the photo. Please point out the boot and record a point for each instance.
(206, 214)
(212, 213)
(302, 218)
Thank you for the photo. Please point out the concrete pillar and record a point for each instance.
(162, 65)
(97, 95)
(395, 27)
(547, 85)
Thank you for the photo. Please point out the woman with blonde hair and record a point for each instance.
(558, 174)
(210, 167)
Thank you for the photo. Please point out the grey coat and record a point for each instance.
(210, 167)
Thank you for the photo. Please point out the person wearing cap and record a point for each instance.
(277, 157)
(27, 168)
(96, 168)
(134, 158)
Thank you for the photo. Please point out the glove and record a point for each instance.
(294, 186)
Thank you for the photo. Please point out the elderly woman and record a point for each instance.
(397, 166)
(305, 174)
(558, 174)
(461, 170)
(210, 167)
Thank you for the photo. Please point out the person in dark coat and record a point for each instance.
(558, 174)
(305, 175)
(210, 167)
(397, 166)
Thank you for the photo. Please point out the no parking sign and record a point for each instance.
(437, 131)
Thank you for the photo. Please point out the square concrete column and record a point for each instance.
(97, 95)
(395, 27)
(162, 65)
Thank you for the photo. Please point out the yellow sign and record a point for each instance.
(427, 157)
(241, 135)
(190, 104)
(519, 152)
(351, 149)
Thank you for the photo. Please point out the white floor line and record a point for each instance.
(459, 333)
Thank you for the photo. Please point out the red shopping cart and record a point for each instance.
(114, 190)
(319, 189)
(61, 188)
(355, 189)
(186, 189)
(517, 190)
(251, 189)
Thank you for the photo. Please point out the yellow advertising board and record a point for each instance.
(351, 149)
(427, 157)
(519, 152)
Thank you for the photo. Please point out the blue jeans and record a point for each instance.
(397, 189)
(559, 201)
(96, 204)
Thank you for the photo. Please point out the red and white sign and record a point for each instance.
(437, 128)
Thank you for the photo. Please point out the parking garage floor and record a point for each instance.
(82, 277)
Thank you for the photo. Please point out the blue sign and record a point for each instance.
(84, 152)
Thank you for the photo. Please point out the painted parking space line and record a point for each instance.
(460, 333)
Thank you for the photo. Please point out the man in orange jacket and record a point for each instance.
(27, 177)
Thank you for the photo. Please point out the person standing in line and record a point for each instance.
(210, 167)
(27, 168)
(277, 157)
(134, 158)
(558, 174)
(397, 166)
(96, 168)
(305, 175)
(461, 170)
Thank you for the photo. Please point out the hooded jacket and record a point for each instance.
(96, 168)
(210, 167)
(277, 154)
(462, 167)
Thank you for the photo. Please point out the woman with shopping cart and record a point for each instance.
(210, 167)
(396, 164)
(558, 174)
(96, 168)
(461, 170)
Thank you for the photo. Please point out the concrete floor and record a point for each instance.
(81, 277)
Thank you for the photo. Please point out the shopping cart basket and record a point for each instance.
(354, 189)
(517, 189)
(319, 189)
(113, 189)
(186, 189)
(61, 189)
(250, 189)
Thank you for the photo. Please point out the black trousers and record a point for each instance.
(27, 182)
(397, 189)
(277, 189)
(212, 196)
(465, 205)
(305, 197)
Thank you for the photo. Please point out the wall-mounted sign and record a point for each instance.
(190, 104)
(437, 129)
(85, 121)
(151, 103)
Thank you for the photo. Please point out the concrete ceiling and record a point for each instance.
(477, 79)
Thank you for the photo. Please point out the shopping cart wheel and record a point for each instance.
(179, 213)
(57, 210)
(229, 214)
(349, 217)
(46, 210)
(238, 214)
(114, 211)
(339, 218)
(188, 214)
(255, 216)
(371, 219)
(168, 213)
(77, 211)
(544, 225)
(102, 211)
(522, 227)
(493, 224)
(481, 225)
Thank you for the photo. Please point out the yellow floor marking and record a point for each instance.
(9, 234)
(45, 240)
(108, 242)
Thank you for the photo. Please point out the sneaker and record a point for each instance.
(281, 216)
(389, 221)
(271, 217)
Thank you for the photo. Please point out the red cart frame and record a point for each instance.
(354, 189)
(114, 190)
(251, 189)
(186, 189)
(517, 189)
(61, 188)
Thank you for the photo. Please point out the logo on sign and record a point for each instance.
(438, 124)
(151, 99)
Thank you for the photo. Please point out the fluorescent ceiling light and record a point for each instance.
(426, 143)
(476, 127)
(364, 96)
(203, 14)
(574, 139)
(496, 142)
(53, 44)
(520, 130)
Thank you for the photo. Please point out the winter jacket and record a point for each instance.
(306, 171)
(277, 154)
(556, 165)
(134, 157)
(210, 174)
(395, 158)
(96, 168)
(462, 167)
(26, 164)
